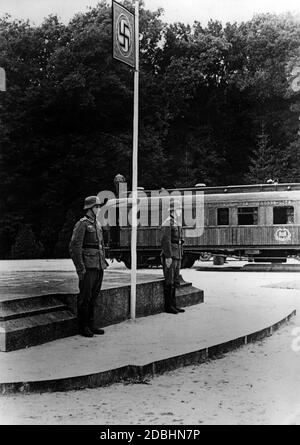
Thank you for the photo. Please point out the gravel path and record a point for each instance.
(257, 384)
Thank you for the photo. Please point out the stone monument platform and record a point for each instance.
(38, 306)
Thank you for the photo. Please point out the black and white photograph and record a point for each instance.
(150, 215)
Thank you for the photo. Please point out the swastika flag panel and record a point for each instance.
(123, 34)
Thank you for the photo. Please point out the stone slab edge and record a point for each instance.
(247, 268)
(136, 373)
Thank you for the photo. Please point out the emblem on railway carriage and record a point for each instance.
(283, 235)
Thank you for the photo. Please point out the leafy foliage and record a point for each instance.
(66, 118)
(26, 246)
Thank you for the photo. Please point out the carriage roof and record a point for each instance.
(231, 194)
(249, 197)
(250, 188)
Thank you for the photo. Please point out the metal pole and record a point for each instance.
(134, 164)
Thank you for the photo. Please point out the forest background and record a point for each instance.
(216, 106)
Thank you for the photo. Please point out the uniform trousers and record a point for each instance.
(89, 286)
(172, 273)
(172, 280)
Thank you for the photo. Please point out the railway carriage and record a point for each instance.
(260, 222)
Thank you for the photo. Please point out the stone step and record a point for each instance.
(27, 331)
(184, 283)
(189, 295)
(271, 267)
(19, 308)
(35, 320)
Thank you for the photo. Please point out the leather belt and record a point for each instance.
(91, 246)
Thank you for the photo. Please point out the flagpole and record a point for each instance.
(134, 165)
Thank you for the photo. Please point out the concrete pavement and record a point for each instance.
(155, 343)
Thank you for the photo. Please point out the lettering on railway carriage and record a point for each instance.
(272, 203)
(248, 203)
(282, 235)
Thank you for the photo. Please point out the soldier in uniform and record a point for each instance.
(87, 252)
(171, 255)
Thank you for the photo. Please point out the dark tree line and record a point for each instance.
(216, 106)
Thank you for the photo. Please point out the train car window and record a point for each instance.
(247, 216)
(283, 215)
(223, 216)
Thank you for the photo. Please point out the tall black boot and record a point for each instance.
(174, 303)
(83, 318)
(93, 329)
(168, 300)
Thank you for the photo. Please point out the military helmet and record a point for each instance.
(90, 202)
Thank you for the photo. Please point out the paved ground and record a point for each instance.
(257, 384)
(221, 318)
(21, 278)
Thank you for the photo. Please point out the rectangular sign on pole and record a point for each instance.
(126, 49)
(2, 79)
(123, 34)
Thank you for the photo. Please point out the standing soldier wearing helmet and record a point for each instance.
(171, 255)
(87, 252)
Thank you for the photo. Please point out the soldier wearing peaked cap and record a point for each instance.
(171, 255)
(88, 255)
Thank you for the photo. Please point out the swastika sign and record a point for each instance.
(123, 34)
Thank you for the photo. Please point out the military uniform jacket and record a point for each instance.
(171, 239)
(87, 245)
